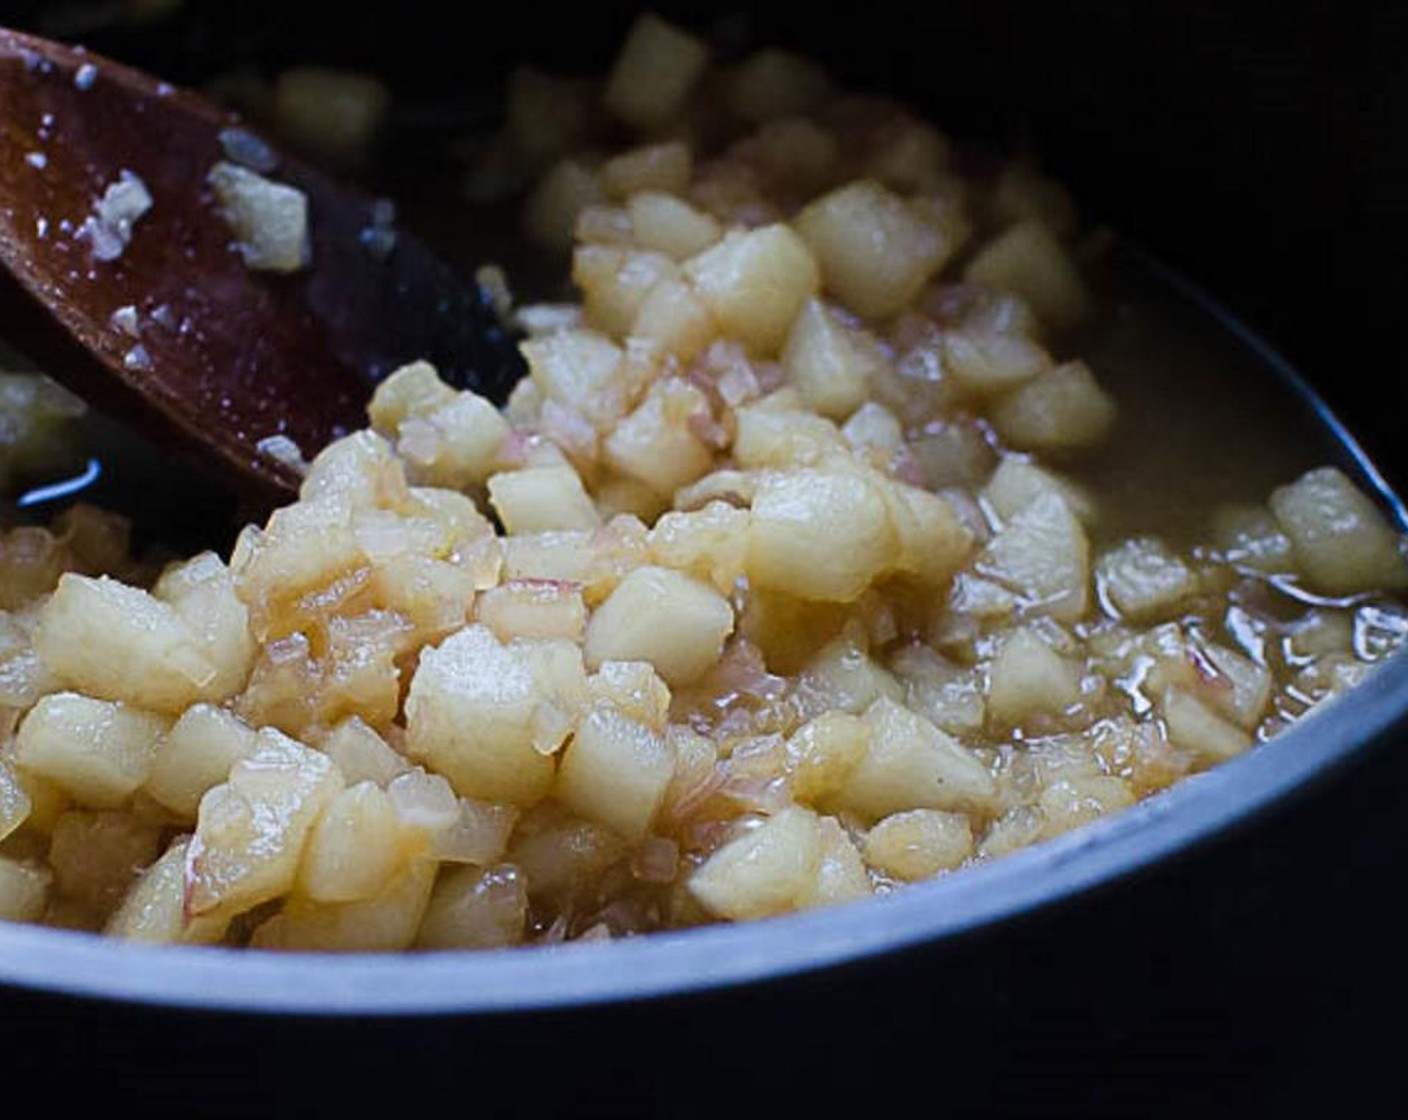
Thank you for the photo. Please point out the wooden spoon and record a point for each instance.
(213, 357)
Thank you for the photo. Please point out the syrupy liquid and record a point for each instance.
(1204, 420)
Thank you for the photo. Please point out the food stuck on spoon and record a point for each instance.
(173, 268)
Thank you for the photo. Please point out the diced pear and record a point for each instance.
(362, 755)
(470, 716)
(843, 677)
(1248, 535)
(560, 672)
(918, 843)
(386, 923)
(603, 225)
(1015, 829)
(726, 486)
(533, 609)
(24, 677)
(1028, 261)
(304, 547)
(1340, 540)
(479, 835)
(828, 362)
(550, 214)
(1246, 687)
(97, 751)
(1320, 632)
(1043, 555)
(823, 751)
(1028, 677)
(44, 801)
(986, 364)
(768, 436)
(949, 695)
(202, 591)
(1193, 726)
(154, 910)
(424, 803)
(594, 561)
(911, 764)
(674, 319)
(251, 830)
(23, 891)
(875, 253)
(773, 83)
(354, 849)
(562, 557)
(1017, 482)
(676, 623)
(472, 908)
(1079, 799)
(15, 805)
(709, 543)
(616, 771)
(541, 499)
(472, 432)
(840, 873)
(565, 856)
(117, 642)
(657, 444)
(933, 540)
(445, 438)
(768, 870)
(818, 534)
(873, 427)
(349, 472)
(665, 167)
(414, 389)
(615, 282)
(1144, 580)
(634, 689)
(669, 225)
(1063, 409)
(269, 219)
(754, 283)
(197, 755)
(656, 68)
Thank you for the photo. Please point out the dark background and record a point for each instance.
(1262, 151)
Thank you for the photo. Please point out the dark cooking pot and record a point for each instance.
(1225, 946)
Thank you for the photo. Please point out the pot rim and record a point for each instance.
(1174, 821)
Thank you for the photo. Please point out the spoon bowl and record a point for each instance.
(171, 330)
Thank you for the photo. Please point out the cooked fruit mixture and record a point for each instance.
(767, 590)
